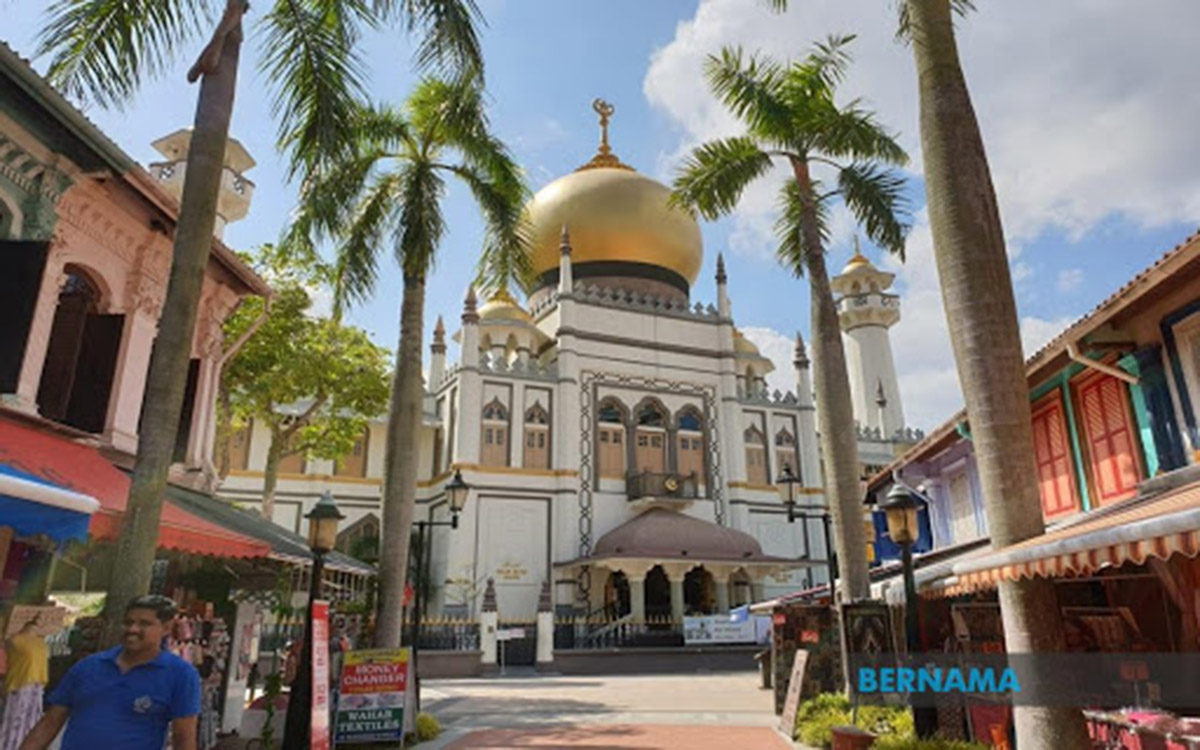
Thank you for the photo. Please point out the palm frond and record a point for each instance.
(358, 253)
(854, 133)
(793, 247)
(316, 74)
(506, 260)
(449, 34)
(876, 198)
(102, 50)
(751, 89)
(904, 22)
(421, 222)
(824, 67)
(714, 176)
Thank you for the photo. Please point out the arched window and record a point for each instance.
(756, 455)
(785, 452)
(537, 438)
(495, 434)
(610, 439)
(689, 443)
(81, 357)
(650, 448)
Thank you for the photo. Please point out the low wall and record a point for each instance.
(685, 659)
(437, 664)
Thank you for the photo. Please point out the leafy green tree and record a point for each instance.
(791, 118)
(102, 50)
(388, 194)
(313, 383)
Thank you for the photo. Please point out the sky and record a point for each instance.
(1087, 107)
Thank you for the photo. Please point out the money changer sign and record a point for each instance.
(371, 702)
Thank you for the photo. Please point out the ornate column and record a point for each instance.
(489, 620)
(545, 626)
(675, 575)
(721, 576)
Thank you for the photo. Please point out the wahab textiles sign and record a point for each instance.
(370, 704)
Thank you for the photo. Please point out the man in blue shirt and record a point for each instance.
(126, 697)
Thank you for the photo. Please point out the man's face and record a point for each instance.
(143, 630)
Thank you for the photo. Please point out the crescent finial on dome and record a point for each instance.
(604, 157)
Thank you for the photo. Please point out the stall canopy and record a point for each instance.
(1159, 526)
(80, 469)
(33, 506)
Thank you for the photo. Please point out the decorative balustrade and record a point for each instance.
(902, 435)
(601, 632)
(628, 299)
(449, 634)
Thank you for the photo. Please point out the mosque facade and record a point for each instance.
(618, 434)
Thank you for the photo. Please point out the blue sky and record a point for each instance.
(1085, 114)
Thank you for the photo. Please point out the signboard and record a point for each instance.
(866, 631)
(319, 737)
(510, 634)
(791, 704)
(372, 697)
(48, 620)
(720, 629)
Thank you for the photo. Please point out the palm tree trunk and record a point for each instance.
(167, 376)
(972, 265)
(400, 470)
(271, 474)
(835, 408)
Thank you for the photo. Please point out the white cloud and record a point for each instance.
(1081, 112)
(1069, 279)
(1075, 134)
(779, 348)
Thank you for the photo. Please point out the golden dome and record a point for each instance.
(613, 214)
(501, 306)
(858, 260)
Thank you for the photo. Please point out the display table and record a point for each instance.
(1141, 730)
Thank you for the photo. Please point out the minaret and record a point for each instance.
(866, 311)
(566, 281)
(469, 350)
(233, 202)
(437, 355)
(724, 309)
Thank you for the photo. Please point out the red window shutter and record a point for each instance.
(1110, 440)
(1053, 457)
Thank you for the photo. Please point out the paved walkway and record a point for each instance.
(696, 712)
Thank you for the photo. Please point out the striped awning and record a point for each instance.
(1135, 531)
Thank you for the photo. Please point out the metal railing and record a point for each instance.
(449, 634)
(624, 632)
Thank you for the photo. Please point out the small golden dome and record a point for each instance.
(743, 345)
(501, 306)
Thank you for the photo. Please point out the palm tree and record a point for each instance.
(101, 50)
(390, 188)
(791, 118)
(968, 242)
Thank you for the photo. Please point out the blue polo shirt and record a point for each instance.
(130, 710)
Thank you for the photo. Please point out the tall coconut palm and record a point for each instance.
(791, 118)
(101, 50)
(389, 193)
(968, 243)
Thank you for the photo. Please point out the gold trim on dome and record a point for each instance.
(501, 306)
(858, 260)
(604, 158)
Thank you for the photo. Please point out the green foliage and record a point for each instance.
(792, 118)
(102, 50)
(313, 382)
(816, 718)
(427, 727)
(898, 742)
(389, 191)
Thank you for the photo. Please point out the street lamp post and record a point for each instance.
(900, 510)
(788, 481)
(456, 494)
(322, 534)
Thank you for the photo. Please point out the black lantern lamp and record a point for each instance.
(900, 509)
(787, 482)
(323, 522)
(456, 495)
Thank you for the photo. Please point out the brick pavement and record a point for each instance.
(624, 737)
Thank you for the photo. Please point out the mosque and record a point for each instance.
(618, 435)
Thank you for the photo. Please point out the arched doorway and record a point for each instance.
(658, 594)
(81, 356)
(616, 596)
(699, 592)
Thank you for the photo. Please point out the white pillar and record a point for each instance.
(675, 575)
(545, 637)
(38, 340)
(637, 598)
(488, 622)
(129, 380)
